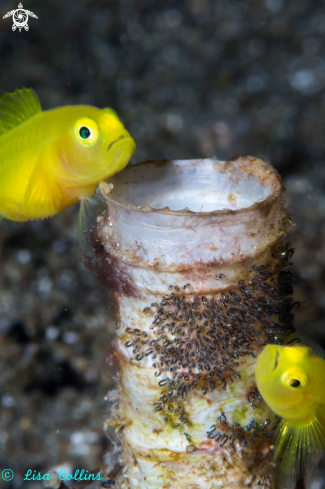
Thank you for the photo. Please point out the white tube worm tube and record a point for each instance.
(193, 252)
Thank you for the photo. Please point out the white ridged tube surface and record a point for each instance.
(193, 252)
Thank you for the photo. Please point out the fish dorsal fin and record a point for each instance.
(17, 107)
(112, 113)
(317, 350)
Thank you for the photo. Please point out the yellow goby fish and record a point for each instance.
(291, 381)
(51, 159)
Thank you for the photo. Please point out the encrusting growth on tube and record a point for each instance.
(194, 253)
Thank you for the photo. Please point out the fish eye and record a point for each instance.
(294, 378)
(86, 131)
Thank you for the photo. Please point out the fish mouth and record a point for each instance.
(268, 360)
(276, 360)
(116, 141)
(119, 152)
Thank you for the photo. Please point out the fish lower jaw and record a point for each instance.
(291, 414)
(282, 411)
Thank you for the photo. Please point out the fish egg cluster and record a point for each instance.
(228, 434)
(199, 342)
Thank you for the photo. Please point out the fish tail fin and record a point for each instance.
(90, 208)
(299, 448)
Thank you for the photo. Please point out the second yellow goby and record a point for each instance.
(291, 381)
(51, 159)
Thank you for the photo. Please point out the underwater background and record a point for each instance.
(190, 79)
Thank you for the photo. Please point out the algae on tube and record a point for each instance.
(194, 253)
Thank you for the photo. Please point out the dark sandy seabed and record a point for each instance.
(190, 79)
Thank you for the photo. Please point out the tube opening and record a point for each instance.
(195, 186)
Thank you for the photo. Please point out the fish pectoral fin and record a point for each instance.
(43, 197)
(298, 448)
(90, 208)
(17, 107)
(82, 220)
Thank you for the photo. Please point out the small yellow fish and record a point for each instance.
(291, 380)
(49, 160)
